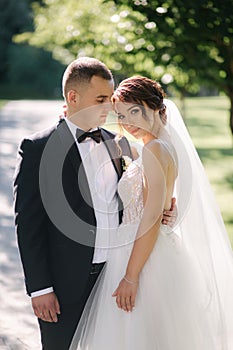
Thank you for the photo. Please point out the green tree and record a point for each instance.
(32, 73)
(197, 38)
(78, 28)
(19, 63)
(14, 18)
(180, 44)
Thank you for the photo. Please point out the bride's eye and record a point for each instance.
(135, 110)
(120, 116)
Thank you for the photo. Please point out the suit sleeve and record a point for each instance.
(30, 218)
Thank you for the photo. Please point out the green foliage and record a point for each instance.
(179, 43)
(33, 72)
(78, 28)
(182, 44)
(14, 18)
(25, 71)
(194, 37)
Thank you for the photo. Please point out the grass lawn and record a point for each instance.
(2, 103)
(207, 120)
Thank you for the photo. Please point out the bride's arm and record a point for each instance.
(155, 164)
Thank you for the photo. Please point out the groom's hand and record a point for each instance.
(46, 307)
(170, 216)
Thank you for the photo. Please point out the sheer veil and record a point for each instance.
(200, 231)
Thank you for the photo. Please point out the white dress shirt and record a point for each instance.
(102, 180)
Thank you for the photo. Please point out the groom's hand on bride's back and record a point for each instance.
(46, 307)
(170, 216)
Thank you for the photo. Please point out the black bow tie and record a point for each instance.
(95, 135)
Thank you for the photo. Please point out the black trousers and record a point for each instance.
(58, 336)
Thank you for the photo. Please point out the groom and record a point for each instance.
(66, 202)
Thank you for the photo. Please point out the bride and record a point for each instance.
(162, 288)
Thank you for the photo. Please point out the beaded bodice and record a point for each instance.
(131, 192)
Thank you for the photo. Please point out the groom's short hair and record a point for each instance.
(81, 70)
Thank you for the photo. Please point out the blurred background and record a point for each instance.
(186, 46)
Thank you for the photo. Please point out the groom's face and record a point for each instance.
(92, 102)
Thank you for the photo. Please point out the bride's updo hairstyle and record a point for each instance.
(141, 90)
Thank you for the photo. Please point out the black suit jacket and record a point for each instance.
(54, 217)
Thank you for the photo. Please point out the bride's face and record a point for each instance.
(136, 119)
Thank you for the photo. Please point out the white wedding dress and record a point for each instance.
(178, 304)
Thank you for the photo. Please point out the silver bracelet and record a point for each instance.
(130, 282)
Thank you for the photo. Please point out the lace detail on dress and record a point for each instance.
(131, 192)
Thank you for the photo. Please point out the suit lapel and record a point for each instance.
(112, 150)
(71, 149)
(72, 152)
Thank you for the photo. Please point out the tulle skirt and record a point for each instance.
(177, 306)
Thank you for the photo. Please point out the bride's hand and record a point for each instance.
(126, 294)
(170, 216)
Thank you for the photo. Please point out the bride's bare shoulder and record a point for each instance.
(156, 146)
(163, 153)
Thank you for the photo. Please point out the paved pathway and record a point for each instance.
(18, 326)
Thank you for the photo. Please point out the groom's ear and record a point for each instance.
(73, 98)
